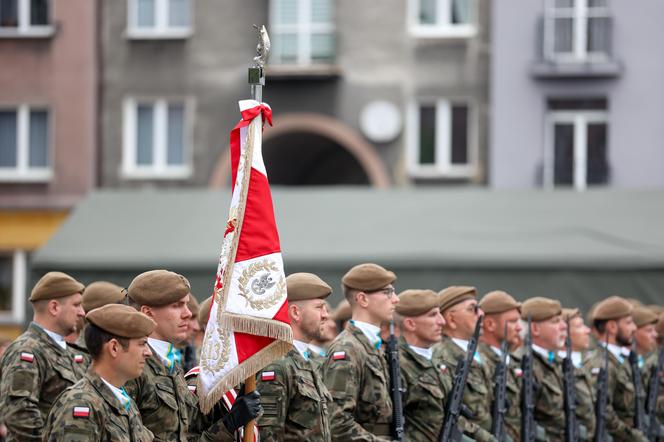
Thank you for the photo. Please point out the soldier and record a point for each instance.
(503, 313)
(318, 347)
(97, 408)
(615, 327)
(646, 332)
(161, 394)
(458, 305)
(342, 314)
(99, 294)
(356, 371)
(548, 332)
(295, 401)
(39, 364)
(190, 354)
(579, 335)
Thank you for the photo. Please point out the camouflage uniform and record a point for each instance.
(512, 418)
(296, 403)
(359, 385)
(620, 394)
(650, 363)
(549, 396)
(585, 402)
(107, 419)
(167, 407)
(34, 371)
(478, 395)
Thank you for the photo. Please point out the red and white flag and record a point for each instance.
(248, 326)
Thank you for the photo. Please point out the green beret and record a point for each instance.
(368, 277)
(100, 293)
(455, 294)
(121, 320)
(204, 312)
(540, 308)
(643, 316)
(158, 287)
(498, 301)
(571, 313)
(303, 286)
(613, 307)
(55, 285)
(416, 302)
(343, 312)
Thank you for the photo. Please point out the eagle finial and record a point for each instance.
(263, 47)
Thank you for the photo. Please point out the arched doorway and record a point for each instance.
(312, 149)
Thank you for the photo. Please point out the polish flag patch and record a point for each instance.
(339, 356)
(518, 372)
(81, 412)
(78, 359)
(267, 376)
(443, 368)
(27, 357)
(595, 371)
(192, 388)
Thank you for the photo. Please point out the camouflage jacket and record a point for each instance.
(620, 394)
(478, 394)
(296, 403)
(33, 372)
(650, 363)
(585, 402)
(549, 396)
(167, 407)
(90, 411)
(356, 375)
(512, 417)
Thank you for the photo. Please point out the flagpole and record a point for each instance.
(256, 82)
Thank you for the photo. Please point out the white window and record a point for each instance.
(302, 32)
(159, 19)
(577, 30)
(25, 18)
(13, 272)
(157, 138)
(442, 18)
(441, 143)
(24, 144)
(576, 144)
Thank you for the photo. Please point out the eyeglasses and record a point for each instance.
(475, 309)
(387, 291)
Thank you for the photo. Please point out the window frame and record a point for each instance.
(443, 166)
(19, 283)
(159, 169)
(23, 172)
(25, 29)
(580, 119)
(442, 28)
(161, 29)
(303, 28)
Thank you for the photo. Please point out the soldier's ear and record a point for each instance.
(146, 310)
(53, 307)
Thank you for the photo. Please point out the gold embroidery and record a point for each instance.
(216, 349)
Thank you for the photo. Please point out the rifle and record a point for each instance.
(395, 385)
(639, 412)
(602, 398)
(498, 409)
(450, 431)
(528, 429)
(569, 384)
(653, 392)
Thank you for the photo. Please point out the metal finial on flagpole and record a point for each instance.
(257, 72)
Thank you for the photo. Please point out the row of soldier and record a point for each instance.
(124, 379)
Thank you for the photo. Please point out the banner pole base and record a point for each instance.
(249, 386)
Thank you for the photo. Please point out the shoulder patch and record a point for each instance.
(339, 356)
(78, 359)
(27, 357)
(518, 372)
(192, 388)
(442, 368)
(193, 372)
(81, 411)
(594, 371)
(268, 376)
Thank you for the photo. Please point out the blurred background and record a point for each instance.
(511, 145)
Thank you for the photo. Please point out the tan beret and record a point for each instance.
(193, 306)
(158, 287)
(643, 316)
(540, 308)
(343, 312)
(367, 277)
(656, 309)
(416, 302)
(455, 294)
(100, 293)
(55, 285)
(498, 301)
(613, 307)
(121, 320)
(590, 316)
(204, 312)
(635, 302)
(571, 313)
(303, 286)
(660, 324)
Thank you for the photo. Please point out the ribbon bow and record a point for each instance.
(260, 109)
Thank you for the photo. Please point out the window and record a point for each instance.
(440, 142)
(13, 273)
(577, 30)
(576, 152)
(25, 18)
(302, 32)
(156, 139)
(442, 18)
(24, 144)
(159, 19)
